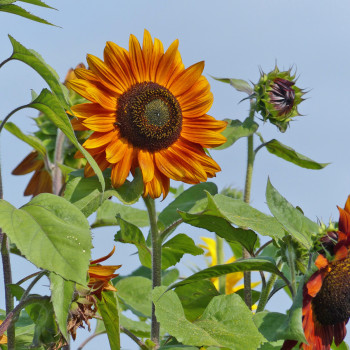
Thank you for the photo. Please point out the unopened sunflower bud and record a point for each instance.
(277, 97)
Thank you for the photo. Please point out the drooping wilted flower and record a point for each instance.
(147, 111)
(326, 296)
(84, 307)
(277, 97)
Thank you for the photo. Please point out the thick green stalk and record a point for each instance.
(220, 255)
(247, 190)
(156, 263)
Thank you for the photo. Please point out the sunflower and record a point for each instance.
(326, 296)
(232, 279)
(147, 111)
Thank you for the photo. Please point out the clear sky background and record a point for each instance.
(234, 38)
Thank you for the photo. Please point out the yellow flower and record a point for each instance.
(232, 279)
(3, 338)
(147, 111)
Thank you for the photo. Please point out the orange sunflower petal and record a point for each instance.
(100, 122)
(187, 79)
(344, 221)
(98, 139)
(146, 163)
(116, 150)
(156, 57)
(167, 64)
(86, 110)
(29, 164)
(104, 258)
(101, 161)
(321, 262)
(314, 284)
(136, 59)
(120, 170)
(206, 138)
(147, 49)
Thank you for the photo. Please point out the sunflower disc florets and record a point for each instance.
(277, 97)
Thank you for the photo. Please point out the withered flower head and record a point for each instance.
(277, 97)
(84, 307)
(326, 296)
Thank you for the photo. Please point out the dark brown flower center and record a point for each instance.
(149, 116)
(332, 303)
(282, 95)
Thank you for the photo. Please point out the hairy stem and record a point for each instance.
(247, 190)
(220, 260)
(56, 171)
(156, 262)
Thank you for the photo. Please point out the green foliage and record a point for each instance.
(238, 84)
(107, 212)
(49, 232)
(290, 155)
(195, 297)
(191, 199)
(226, 322)
(61, 298)
(109, 310)
(31, 140)
(293, 221)
(252, 264)
(236, 129)
(8, 6)
(242, 214)
(135, 295)
(86, 194)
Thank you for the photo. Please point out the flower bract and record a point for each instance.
(148, 111)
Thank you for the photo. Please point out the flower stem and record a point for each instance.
(6, 263)
(220, 260)
(247, 190)
(156, 263)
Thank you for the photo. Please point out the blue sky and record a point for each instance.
(235, 38)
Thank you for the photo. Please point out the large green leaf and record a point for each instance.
(174, 249)
(61, 298)
(109, 310)
(184, 202)
(252, 264)
(31, 140)
(243, 215)
(86, 194)
(135, 293)
(235, 130)
(222, 228)
(35, 61)
(290, 155)
(51, 233)
(17, 10)
(48, 104)
(195, 297)
(226, 322)
(294, 222)
(106, 215)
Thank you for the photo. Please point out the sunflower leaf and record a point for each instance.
(37, 3)
(19, 11)
(31, 140)
(135, 294)
(236, 129)
(243, 215)
(252, 264)
(106, 215)
(195, 297)
(290, 155)
(51, 233)
(222, 228)
(226, 322)
(293, 221)
(186, 201)
(238, 84)
(109, 310)
(61, 298)
(49, 104)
